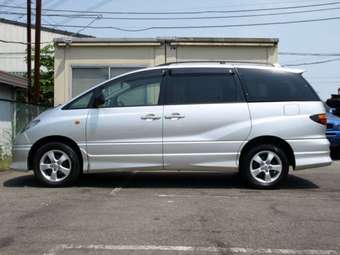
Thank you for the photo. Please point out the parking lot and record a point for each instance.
(171, 213)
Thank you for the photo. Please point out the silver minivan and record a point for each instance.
(260, 120)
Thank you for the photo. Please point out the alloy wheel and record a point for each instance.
(55, 165)
(266, 167)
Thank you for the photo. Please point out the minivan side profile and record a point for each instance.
(258, 119)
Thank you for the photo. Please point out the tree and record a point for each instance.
(46, 76)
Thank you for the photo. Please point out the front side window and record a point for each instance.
(141, 89)
(274, 85)
(192, 87)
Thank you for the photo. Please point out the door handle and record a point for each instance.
(174, 115)
(150, 116)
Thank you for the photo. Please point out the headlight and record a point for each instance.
(31, 124)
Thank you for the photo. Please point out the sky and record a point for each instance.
(311, 37)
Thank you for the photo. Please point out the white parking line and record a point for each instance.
(237, 196)
(115, 191)
(192, 249)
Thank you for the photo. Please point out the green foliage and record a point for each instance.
(4, 164)
(46, 76)
(5, 159)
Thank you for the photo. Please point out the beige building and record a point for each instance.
(81, 63)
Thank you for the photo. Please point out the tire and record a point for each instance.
(56, 165)
(259, 171)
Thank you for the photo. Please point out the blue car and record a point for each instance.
(333, 131)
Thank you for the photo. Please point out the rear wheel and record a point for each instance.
(264, 166)
(56, 164)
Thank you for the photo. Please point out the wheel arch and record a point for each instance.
(49, 139)
(274, 140)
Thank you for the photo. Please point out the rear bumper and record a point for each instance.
(20, 158)
(311, 153)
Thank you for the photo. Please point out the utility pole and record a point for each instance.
(37, 51)
(29, 51)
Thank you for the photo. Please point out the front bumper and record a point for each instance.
(20, 158)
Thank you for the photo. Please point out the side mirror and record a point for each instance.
(99, 100)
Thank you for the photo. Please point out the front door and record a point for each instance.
(126, 131)
(205, 119)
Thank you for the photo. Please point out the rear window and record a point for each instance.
(273, 85)
(201, 87)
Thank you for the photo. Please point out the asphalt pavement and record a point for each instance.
(171, 213)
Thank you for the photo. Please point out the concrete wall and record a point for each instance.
(90, 54)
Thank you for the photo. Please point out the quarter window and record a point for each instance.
(274, 85)
(81, 102)
(192, 87)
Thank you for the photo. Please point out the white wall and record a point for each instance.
(12, 56)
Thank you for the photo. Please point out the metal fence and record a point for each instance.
(14, 116)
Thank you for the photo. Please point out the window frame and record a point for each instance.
(240, 97)
(164, 84)
(95, 90)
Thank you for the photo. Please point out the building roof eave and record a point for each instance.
(13, 80)
(179, 41)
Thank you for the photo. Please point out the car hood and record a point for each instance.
(45, 114)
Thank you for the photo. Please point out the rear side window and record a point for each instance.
(272, 85)
(201, 87)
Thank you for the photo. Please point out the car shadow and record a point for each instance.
(162, 180)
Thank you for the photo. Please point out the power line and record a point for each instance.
(182, 12)
(89, 24)
(54, 15)
(18, 42)
(315, 62)
(92, 7)
(197, 26)
(91, 16)
(309, 54)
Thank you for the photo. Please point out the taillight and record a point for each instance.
(320, 118)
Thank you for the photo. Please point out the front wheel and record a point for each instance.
(56, 164)
(264, 166)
